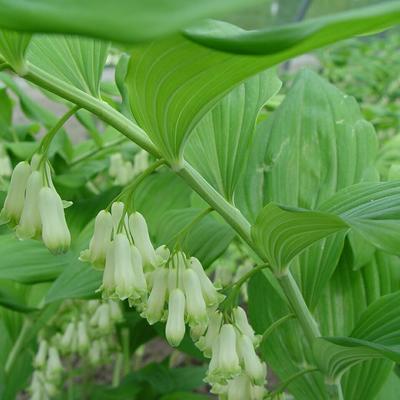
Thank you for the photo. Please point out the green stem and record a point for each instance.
(299, 307)
(46, 141)
(276, 325)
(16, 349)
(119, 362)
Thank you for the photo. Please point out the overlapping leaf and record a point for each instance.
(120, 20)
(220, 144)
(74, 60)
(13, 46)
(298, 37)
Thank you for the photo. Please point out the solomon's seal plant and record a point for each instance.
(217, 224)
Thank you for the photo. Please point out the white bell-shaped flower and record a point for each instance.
(123, 273)
(55, 233)
(41, 355)
(115, 311)
(141, 237)
(228, 360)
(116, 162)
(101, 319)
(243, 325)
(103, 227)
(67, 339)
(254, 367)
(14, 202)
(30, 224)
(195, 304)
(206, 342)
(210, 293)
(155, 304)
(117, 211)
(54, 366)
(258, 392)
(140, 283)
(239, 388)
(83, 338)
(108, 284)
(95, 353)
(175, 328)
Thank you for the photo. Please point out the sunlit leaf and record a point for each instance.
(13, 46)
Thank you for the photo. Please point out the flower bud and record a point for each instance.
(55, 233)
(115, 311)
(30, 224)
(195, 305)
(175, 328)
(243, 325)
(101, 319)
(14, 202)
(96, 254)
(206, 342)
(83, 339)
(210, 293)
(255, 369)
(116, 162)
(108, 284)
(54, 366)
(140, 234)
(155, 304)
(41, 355)
(123, 273)
(228, 361)
(140, 162)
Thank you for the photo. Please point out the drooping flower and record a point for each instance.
(108, 284)
(205, 343)
(30, 224)
(155, 304)
(96, 254)
(41, 355)
(243, 325)
(83, 338)
(55, 233)
(140, 283)
(68, 338)
(54, 366)
(175, 328)
(14, 202)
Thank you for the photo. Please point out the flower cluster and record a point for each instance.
(124, 171)
(34, 206)
(235, 371)
(81, 328)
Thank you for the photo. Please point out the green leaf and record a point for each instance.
(220, 144)
(376, 335)
(12, 298)
(206, 240)
(121, 20)
(74, 60)
(281, 234)
(289, 40)
(13, 46)
(76, 282)
(29, 261)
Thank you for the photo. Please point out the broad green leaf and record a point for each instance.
(206, 240)
(220, 144)
(391, 389)
(282, 234)
(14, 299)
(76, 282)
(291, 39)
(29, 261)
(372, 210)
(74, 60)
(13, 46)
(120, 20)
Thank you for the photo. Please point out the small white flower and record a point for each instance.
(206, 342)
(239, 388)
(140, 283)
(67, 339)
(95, 353)
(101, 319)
(195, 305)
(123, 273)
(117, 211)
(228, 360)
(83, 338)
(14, 202)
(255, 369)
(115, 311)
(96, 254)
(155, 304)
(175, 328)
(108, 284)
(243, 325)
(30, 224)
(54, 366)
(141, 237)
(41, 355)
(210, 293)
(55, 233)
